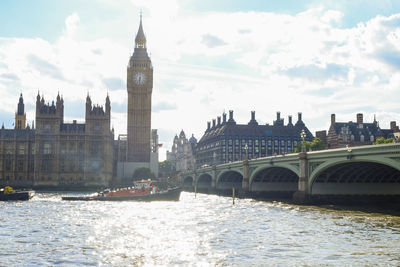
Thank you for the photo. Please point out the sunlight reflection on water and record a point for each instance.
(204, 231)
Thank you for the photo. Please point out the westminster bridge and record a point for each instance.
(346, 172)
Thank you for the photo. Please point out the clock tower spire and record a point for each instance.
(139, 87)
(140, 40)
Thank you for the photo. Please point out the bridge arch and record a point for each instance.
(356, 177)
(229, 179)
(188, 182)
(274, 178)
(204, 181)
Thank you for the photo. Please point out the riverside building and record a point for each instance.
(357, 133)
(225, 140)
(56, 153)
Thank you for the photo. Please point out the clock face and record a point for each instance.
(139, 78)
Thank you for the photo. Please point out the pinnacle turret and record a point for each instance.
(21, 106)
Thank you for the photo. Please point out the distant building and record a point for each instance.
(396, 131)
(322, 136)
(225, 140)
(395, 128)
(357, 133)
(182, 152)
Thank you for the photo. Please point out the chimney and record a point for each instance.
(359, 118)
(230, 114)
(224, 117)
(208, 125)
(290, 120)
(278, 116)
(213, 123)
(333, 118)
(299, 116)
(253, 115)
(393, 126)
(219, 120)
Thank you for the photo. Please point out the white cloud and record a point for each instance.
(71, 24)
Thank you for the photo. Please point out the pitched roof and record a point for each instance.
(365, 129)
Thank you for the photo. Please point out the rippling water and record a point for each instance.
(202, 231)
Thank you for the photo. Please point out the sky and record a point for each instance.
(209, 57)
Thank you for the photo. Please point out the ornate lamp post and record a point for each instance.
(245, 181)
(246, 150)
(214, 158)
(195, 175)
(301, 194)
(303, 144)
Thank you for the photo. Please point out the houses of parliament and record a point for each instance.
(52, 153)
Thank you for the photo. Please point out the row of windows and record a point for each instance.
(227, 155)
(251, 143)
(47, 148)
(140, 65)
(47, 166)
(10, 178)
(256, 149)
(8, 165)
(362, 138)
(21, 149)
(63, 180)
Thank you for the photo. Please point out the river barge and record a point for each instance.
(144, 190)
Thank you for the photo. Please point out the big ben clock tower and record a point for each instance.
(139, 86)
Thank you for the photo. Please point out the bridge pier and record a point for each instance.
(302, 195)
(194, 184)
(214, 177)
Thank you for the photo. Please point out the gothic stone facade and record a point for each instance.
(57, 154)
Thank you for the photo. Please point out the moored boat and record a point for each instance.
(144, 190)
(7, 193)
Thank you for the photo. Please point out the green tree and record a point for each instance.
(382, 140)
(165, 168)
(315, 145)
(142, 173)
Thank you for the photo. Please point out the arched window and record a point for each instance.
(361, 138)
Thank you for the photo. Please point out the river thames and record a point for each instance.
(203, 231)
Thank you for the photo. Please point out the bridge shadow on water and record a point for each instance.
(388, 205)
